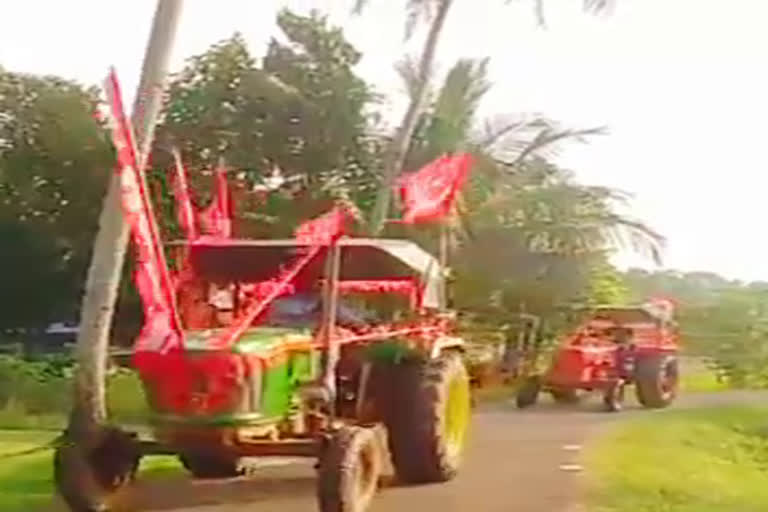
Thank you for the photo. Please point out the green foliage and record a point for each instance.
(33, 387)
(39, 393)
(606, 285)
(54, 163)
(26, 482)
(707, 460)
(303, 111)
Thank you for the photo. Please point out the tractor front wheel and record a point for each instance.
(528, 394)
(206, 466)
(656, 380)
(428, 420)
(349, 470)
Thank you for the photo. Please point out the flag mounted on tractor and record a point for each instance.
(428, 195)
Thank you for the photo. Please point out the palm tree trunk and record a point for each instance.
(89, 411)
(398, 150)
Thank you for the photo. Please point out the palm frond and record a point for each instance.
(595, 7)
(417, 11)
(548, 137)
(359, 6)
(513, 141)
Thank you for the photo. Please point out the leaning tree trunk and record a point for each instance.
(398, 150)
(95, 459)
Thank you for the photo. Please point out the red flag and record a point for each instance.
(325, 229)
(161, 331)
(217, 218)
(184, 208)
(429, 193)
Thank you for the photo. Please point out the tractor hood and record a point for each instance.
(258, 341)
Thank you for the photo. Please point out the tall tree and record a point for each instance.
(52, 155)
(302, 111)
(80, 479)
(434, 12)
(112, 237)
(530, 235)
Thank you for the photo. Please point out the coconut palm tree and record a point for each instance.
(524, 223)
(434, 12)
(80, 480)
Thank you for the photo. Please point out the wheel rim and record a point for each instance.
(456, 417)
(668, 382)
(365, 472)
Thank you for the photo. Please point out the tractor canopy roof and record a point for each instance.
(364, 259)
(628, 314)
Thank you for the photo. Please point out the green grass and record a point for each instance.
(26, 482)
(701, 381)
(706, 460)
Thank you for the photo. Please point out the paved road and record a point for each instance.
(516, 461)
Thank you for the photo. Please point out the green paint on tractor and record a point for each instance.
(284, 361)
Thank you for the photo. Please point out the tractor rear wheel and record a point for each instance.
(207, 466)
(528, 394)
(428, 419)
(349, 470)
(656, 380)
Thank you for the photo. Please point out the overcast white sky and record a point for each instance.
(681, 84)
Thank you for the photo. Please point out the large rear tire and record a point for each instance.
(656, 380)
(206, 466)
(428, 418)
(349, 470)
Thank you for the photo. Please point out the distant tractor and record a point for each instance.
(505, 359)
(613, 348)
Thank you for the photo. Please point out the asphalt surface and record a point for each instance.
(515, 461)
(526, 461)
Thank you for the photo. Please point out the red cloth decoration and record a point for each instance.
(184, 208)
(325, 229)
(316, 233)
(217, 218)
(429, 193)
(281, 284)
(404, 286)
(161, 331)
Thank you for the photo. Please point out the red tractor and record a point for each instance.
(613, 348)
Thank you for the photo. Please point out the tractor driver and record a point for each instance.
(305, 308)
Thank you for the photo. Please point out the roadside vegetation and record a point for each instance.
(26, 481)
(702, 460)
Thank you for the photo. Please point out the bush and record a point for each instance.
(39, 393)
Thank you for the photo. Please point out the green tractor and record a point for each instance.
(323, 346)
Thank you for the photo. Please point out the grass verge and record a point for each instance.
(705, 460)
(701, 381)
(26, 482)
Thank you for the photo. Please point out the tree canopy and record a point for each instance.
(298, 120)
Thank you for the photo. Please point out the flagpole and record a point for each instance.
(444, 262)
